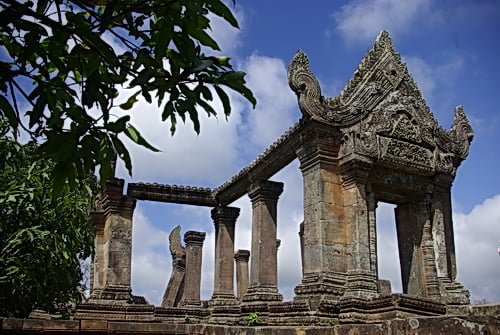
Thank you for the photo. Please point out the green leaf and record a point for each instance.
(136, 137)
(8, 112)
(220, 9)
(235, 80)
(224, 99)
(209, 109)
(119, 125)
(123, 153)
(130, 101)
(201, 64)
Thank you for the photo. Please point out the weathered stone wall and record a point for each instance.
(465, 325)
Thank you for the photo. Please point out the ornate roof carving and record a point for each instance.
(382, 114)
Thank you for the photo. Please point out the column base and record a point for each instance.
(222, 299)
(361, 285)
(111, 295)
(262, 293)
(453, 293)
(327, 285)
(394, 306)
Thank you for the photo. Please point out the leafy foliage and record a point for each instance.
(252, 319)
(42, 238)
(61, 74)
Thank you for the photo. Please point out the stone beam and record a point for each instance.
(276, 157)
(188, 195)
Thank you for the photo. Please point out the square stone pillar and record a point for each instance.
(224, 219)
(112, 261)
(325, 249)
(241, 257)
(264, 263)
(444, 244)
(416, 250)
(359, 216)
(194, 247)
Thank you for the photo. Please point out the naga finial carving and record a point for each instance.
(175, 246)
(303, 82)
(461, 133)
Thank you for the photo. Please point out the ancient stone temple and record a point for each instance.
(375, 142)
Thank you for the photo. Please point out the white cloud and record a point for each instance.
(429, 77)
(277, 106)
(362, 20)
(476, 237)
(179, 161)
(387, 246)
(151, 261)
(226, 35)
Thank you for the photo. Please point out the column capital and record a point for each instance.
(263, 190)
(443, 182)
(112, 200)
(319, 144)
(242, 256)
(355, 172)
(225, 214)
(194, 238)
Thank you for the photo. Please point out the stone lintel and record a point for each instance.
(281, 153)
(265, 190)
(190, 195)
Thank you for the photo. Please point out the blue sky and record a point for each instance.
(450, 47)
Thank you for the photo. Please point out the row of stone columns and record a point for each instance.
(112, 262)
(263, 272)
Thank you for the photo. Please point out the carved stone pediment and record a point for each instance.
(382, 115)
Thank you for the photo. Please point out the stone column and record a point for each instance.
(416, 251)
(114, 245)
(98, 267)
(264, 265)
(175, 287)
(325, 252)
(443, 238)
(301, 239)
(224, 219)
(241, 257)
(194, 247)
(358, 213)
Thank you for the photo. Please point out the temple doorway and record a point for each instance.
(387, 247)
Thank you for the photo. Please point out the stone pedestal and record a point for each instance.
(241, 257)
(113, 242)
(224, 219)
(194, 247)
(264, 264)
